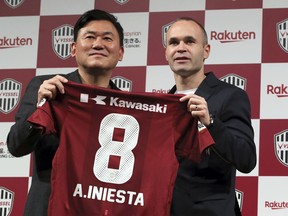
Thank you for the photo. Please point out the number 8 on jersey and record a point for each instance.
(119, 148)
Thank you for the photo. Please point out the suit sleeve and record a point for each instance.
(233, 133)
(23, 137)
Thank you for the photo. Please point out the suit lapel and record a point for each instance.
(208, 86)
(74, 76)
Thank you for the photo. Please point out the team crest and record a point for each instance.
(121, 2)
(122, 83)
(6, 201)
(13, 3)
(282, 34)
(164, 33)
(62, 37)
(281, 147)
(239, 197)
(235, 80)
(10, 91)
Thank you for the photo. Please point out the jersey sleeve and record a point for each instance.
(204, 137)
(194, 138)
(43, 118)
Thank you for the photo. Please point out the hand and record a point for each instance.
(49, 88)
(198, 107)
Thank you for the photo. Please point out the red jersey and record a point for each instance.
(117, 151)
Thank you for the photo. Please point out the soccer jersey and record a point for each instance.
(118, 150)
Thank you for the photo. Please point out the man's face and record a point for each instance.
(97, 46)
(186, 51)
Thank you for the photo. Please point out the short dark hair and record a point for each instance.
(205, 38)
(98, 15)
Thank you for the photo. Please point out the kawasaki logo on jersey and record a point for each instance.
(117, 102)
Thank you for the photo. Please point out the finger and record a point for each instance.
(44, 94)
(59, 83)
(61, 78)
(49, 85)
(194, 107)
(55, 83)
(185, 98)
(188, 96)
(194, 114)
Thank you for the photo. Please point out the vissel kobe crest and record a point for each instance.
(10, 91)
(164, 33)
(282, 34)
(13, 3)
(236, 80)
(6, 201)
(122, 83)
(121, 2)
(62, 38)
(281, 147)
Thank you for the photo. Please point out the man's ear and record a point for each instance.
(165, 55)
(73, 49)
(207, 48)
(121, 54)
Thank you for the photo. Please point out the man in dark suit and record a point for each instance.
(208, 188)
(97, 48)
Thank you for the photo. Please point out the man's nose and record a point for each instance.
(181, 47)
(97, 43)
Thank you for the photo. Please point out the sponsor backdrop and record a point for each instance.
(249, 49)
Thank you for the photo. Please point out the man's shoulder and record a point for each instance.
(49, 76)
(221, 83)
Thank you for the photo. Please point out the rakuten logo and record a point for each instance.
(279, 91)
(228, 37)
(276, 205)
(6, 42)
(160, 90)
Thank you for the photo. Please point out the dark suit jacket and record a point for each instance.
(24, 139)
(208, 188)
